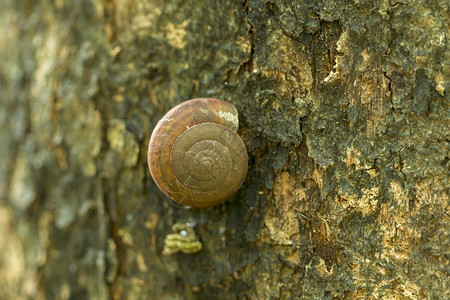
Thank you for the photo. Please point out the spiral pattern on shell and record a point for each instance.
(195, 155)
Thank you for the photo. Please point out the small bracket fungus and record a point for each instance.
(182, 238)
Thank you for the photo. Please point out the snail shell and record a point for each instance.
(195, 155)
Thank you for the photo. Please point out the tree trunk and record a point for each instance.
(343, 109)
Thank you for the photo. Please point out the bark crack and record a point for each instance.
(115, 250)
(389, 86)
(248, 64)
(115, 265)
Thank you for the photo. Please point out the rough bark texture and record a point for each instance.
(343, 108)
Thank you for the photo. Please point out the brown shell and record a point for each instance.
(195, 155)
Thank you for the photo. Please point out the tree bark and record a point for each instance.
(343, 109)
